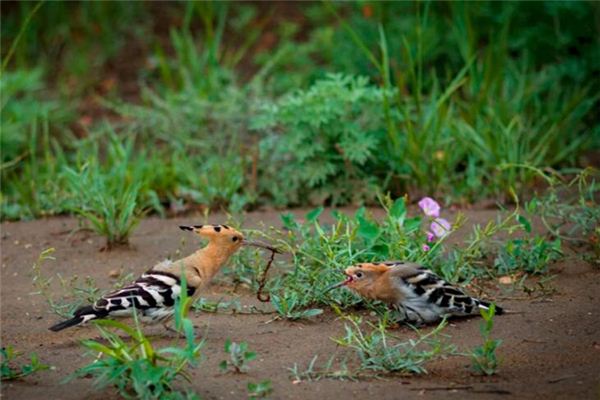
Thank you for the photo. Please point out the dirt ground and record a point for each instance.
(551, 350)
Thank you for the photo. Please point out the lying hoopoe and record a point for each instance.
(415, 292)
(153, 294)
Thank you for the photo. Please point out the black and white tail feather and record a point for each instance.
(429, 298)
(153, 296)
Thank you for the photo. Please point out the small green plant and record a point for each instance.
(483, 358)
(10, 372)
(288, 306)
(314, 373)
(112, 214)
(532, 255)
(571, 213)
(259, 390)
(134, 366)
(380, 352)
(239, 357)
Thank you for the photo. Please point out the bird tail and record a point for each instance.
(82, 315)
(486, 306)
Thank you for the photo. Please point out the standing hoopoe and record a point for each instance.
(415, 292)
(153, 294)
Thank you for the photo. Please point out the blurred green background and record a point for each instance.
(133, 107)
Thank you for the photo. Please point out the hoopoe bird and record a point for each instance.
(153, 295)
(416, 293)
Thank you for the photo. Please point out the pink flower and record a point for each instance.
(430, 207)
(440, 227)
(426, 247)
(430, 237)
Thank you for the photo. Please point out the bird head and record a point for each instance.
(224, 236)
(362, 278)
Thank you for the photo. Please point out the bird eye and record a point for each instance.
(235, 238)
(359, 274)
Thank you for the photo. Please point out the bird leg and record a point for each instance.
(175, 331)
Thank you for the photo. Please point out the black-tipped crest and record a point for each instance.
(186, 228)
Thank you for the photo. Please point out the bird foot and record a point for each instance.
(174, 332)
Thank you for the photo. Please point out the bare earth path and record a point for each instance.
(550, 351)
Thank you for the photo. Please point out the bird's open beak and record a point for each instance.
(261, 245)
(340, 284)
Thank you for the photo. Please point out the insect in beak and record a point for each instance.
(340, 284)
(261, 245)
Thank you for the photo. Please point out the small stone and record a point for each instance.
(114, 273)
(506, 280)
(28, 245)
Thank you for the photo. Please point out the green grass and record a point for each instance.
(429, 98)
(378, 351)
(320, 252)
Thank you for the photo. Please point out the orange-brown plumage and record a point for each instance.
(153, 295)
(416, 292)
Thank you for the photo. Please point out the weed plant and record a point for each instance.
(320, 252)
(378, 351)
(429, 97)
(108, 198)
(135, 366)
(312, 372)
(334, 140)
(571, 213)
(483, 358)
(10, 372)
(259, 390)
(239, 357)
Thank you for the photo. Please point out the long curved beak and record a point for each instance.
(261, 245)
(339, 284)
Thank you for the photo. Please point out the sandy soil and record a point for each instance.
(551, 350)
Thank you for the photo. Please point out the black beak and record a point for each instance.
(261, 245)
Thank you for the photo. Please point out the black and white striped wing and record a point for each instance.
(429, 298)
(153, 294)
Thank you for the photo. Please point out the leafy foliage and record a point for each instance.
(134, 366)
(532, 255)
(430, 97)
(9, 372)
(333, 138)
